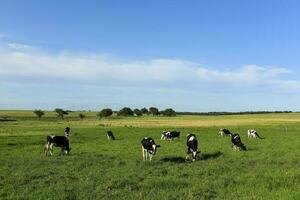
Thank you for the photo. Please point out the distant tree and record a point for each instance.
(137, 112)
(125, 112)
(145, 111)
(60, 112)
(153, 111)
(39, 113)
(81, 116)
(106, 112)
(169, 112)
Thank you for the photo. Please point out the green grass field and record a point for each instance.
(100, 169)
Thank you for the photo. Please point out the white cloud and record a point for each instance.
(17, 64)
(19, 46)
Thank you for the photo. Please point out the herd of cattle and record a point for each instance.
(149, 147)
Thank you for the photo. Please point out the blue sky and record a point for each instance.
(189, 55)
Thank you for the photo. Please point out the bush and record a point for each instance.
(39, 113)
(81, 116)
(60, 112)
(125, 112)
(106, 112)
(154, 111)
(169, 112)
(137, 112)
(145, 111)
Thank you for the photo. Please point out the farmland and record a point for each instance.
(100, 169)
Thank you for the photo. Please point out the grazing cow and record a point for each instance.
(253, 133)
(164, 135)
(224, 132)
(170, 135)
(110, 135)
(237, 142)
(58, 141)
(192, 146)
(148, 148)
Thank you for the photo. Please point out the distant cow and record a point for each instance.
(58, 141)
(253, 133)
(192, 146)
(148, 148)
(110, 135)
(237, 142)
(224, 132)
(164, 135)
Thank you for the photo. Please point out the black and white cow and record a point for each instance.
(164, 135)
(110, 135)
(58, 141)
(224, 132)
(253, 133)
(148, 148)
(192, 146)
(170, 135)
(237, 142)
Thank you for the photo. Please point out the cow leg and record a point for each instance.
(150, 156)
(46, 149)
(187, 154)
(144, 154)
(50, 149)
(187, 157)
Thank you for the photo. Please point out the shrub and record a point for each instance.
(154, 111)
(60, 112)
(106, 112)
(137, 112)
(169, 112)
(125, 112)
(39, 113)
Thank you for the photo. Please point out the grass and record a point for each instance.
(101, 169)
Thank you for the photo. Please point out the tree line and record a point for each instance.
(127, 112)
(107, 112)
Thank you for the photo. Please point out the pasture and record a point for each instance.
(100, 169)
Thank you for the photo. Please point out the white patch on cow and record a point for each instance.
(52, 136)
(154, 147)
(192, 138)
(235, 136)
(194, 153)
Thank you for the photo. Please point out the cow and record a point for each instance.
(253, 133)
(58, 141)
(224, 132)
(237, 142)
(164, 135)
(148, 148)
(170, 135)
(110, 135)
(192, 146)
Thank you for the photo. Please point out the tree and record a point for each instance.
(106, 112)
(153, 111)
(81, 116)
(60, 112)
(39, 113)
(137, 112)
(125, 112)
(145, 111)
(169, 112)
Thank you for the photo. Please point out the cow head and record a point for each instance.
(154, 148)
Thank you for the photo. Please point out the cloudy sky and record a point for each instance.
(189, 55)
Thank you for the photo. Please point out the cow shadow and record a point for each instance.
(173, 159)
(208, 156)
